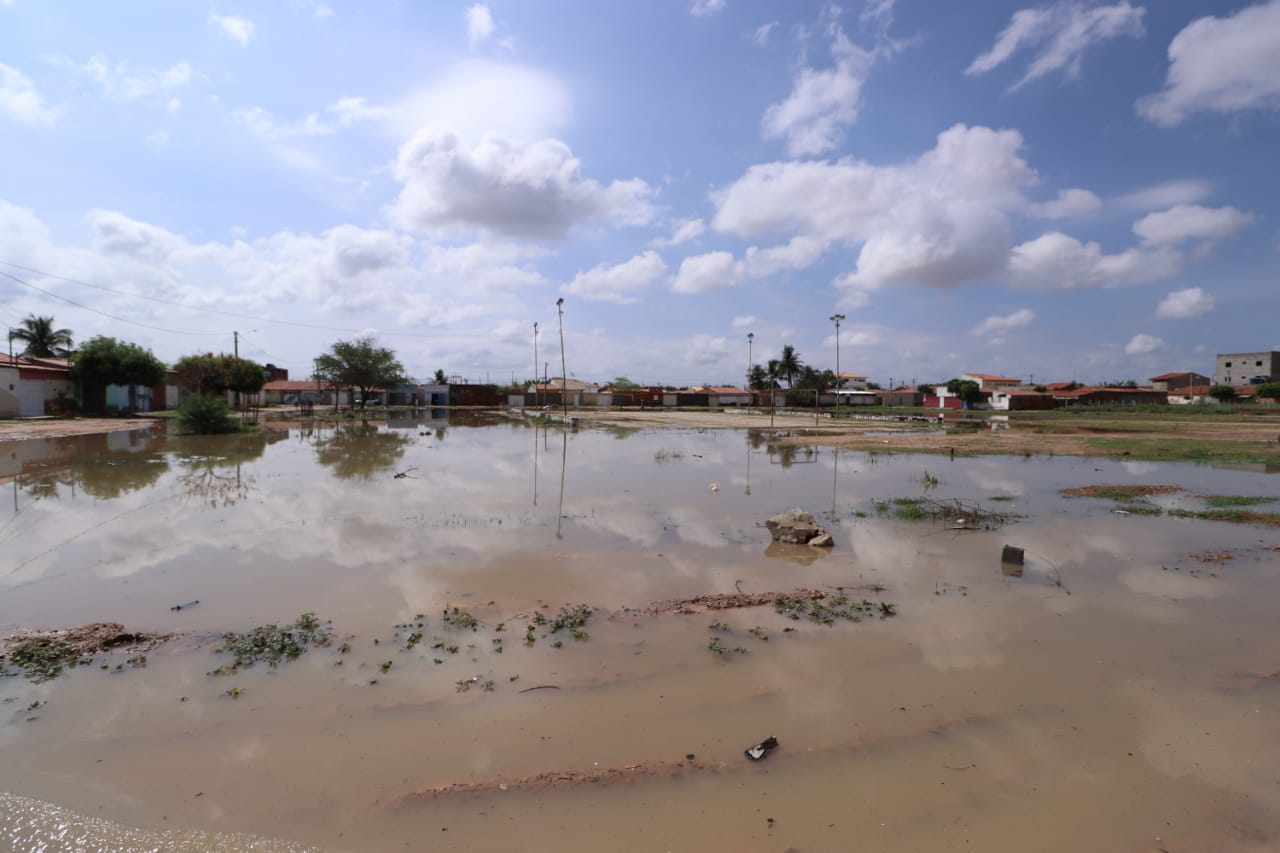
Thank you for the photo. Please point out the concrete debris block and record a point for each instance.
(1011, 561)
(795, 527)
(822, 540)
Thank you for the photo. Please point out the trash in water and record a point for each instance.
(185, 606)
(760, 750)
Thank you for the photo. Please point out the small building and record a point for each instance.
(851, 381)
(990, 382)
(851, 397)
(1089, 395)
(1247, 368)
(902, 397)
(291, 392)
(1167, 381)
(474, 395)
(33, 387)
(1187, 395)
(724, 395)
(1018, 401)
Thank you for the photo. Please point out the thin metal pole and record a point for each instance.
(751, 336)
(564, 371)
(535, 368)
(837, 318)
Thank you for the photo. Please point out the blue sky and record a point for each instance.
(1062, 190)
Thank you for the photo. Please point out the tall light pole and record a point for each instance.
(535, 370)
(751, 336)
(564, 372)
(836, 318)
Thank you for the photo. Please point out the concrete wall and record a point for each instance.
(1246, 368)
(8, 392)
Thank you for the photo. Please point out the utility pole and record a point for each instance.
(564, 372)
(535, 367)
(751, 336)
(235, 336)
(836, 318)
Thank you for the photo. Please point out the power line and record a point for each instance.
(235, 314)
(104, 313)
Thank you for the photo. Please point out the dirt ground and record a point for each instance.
(21, 430)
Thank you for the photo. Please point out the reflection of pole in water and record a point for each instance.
(835, 476)
(535, 464)
(748, 465)
(564, 455)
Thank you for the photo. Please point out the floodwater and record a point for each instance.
(1120, 695)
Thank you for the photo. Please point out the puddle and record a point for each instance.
(1121, 694)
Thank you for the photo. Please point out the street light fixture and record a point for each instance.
(751, 336)
(836, 318)
(564, 373)
(535, 365)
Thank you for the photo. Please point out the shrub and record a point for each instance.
(205, 415)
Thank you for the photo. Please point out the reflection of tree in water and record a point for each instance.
(785, 453)
(212, 467)
(360, 450)
(46, 486)
(113, 474)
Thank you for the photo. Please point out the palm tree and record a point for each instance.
(789, 364)
(41, 338)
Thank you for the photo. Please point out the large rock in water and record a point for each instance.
(797, 527)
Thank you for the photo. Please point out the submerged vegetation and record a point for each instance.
(39, 658)
(271, 644)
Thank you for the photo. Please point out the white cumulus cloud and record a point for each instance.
(1057, 261)
(621, 283)
(1166, 194)
(1068, 205)
(1060, 34)
(823, 101)
(706, 8)
(1181, 304)
(234, 27)
(684, 231)
(1221, 65)
(20, 100)
(762, 33)
(1192, 222)
(997, 325)
(1144, 345)
(706, 273)
(119, 81)
(939, 220)
(503, 186)
(479, 23)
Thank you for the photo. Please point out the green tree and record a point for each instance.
(789, 365)
(924, 388)
(1222, 393)
(360, 364)
(106, 361)
(759, 377)
(217, 374)
(1269, 389)
(440, 378)
(967, 390)
(42, 340)
(622, 382)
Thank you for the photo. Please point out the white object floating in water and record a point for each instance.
(715, 487)
(1120, 511)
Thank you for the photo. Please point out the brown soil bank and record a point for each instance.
(21, 430)
(1159, 436)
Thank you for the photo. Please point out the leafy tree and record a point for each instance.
(874, 386)
(759, 378)
(1222, 393)
(41, 338)
(440, 378)
(815, 380)
(217, 374)
(1039, 388)
(789, 364)
(360, 364)
(924, 388)
(106, 361)
(1121, 383)
(205, 414)
(623, 382)
(1269, 389)
(967, 390)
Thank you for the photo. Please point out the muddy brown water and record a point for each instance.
(1132, 706)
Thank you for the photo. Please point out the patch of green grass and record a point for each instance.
(1234, 516)
(1121, 493)
(458, 618)
(1189, 449)
(574, 619)
(908, 501)
(39, 658)
(911, 512)
(827, 609)
(1140, 509)
(1003, 498)
(1219, 501)
(273, 643)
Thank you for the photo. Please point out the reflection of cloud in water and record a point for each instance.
(1171, 583)
(1226, 740)
(995, 481)
(1140, 469)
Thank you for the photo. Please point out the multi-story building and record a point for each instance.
(1247, 368)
